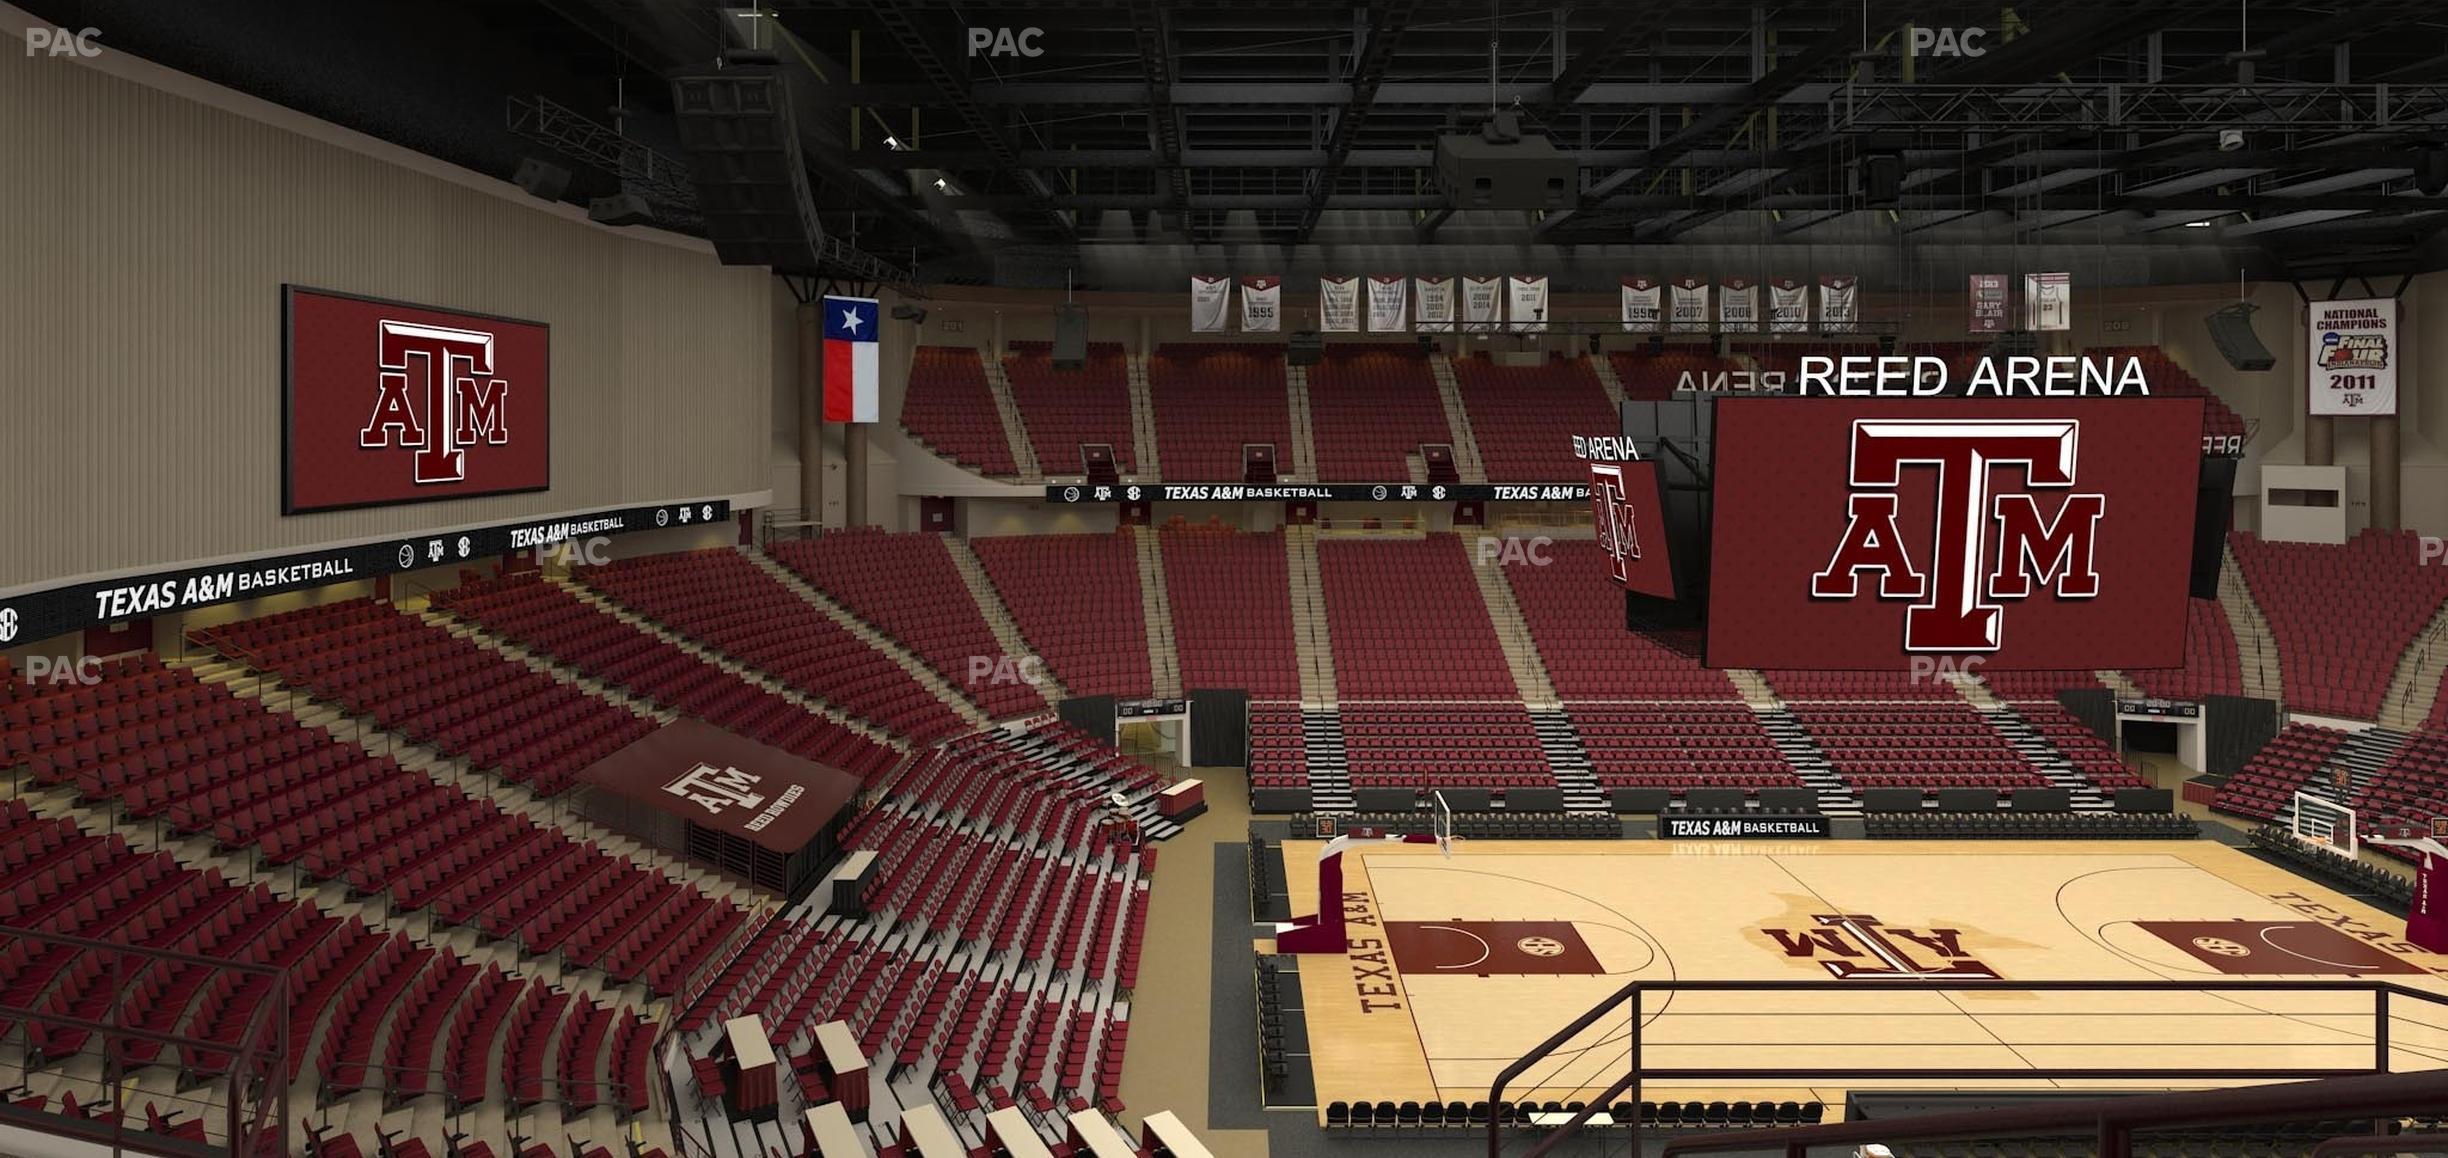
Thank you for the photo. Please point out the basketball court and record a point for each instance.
(1459, 966)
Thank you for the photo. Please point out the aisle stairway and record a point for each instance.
(1809, 763)
(999, 619)
(1317, 670)
(1330, 788)
(2362, 756)
(1143, 420)
(1604, 368)
(927, 677)
(2256, 647)
(1156, 606)
(2415, 686)
(1512, 630)
(1568, 761)
(1023, 449)
(1457, 419)
(2045, 758)
(1302, 466)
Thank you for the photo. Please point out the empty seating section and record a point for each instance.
(1408, 622)
(907, 587)
(2081, 746)
(1653, 376)
(1064, 408)
(2166, 377)
(1523, 417)
(2267, 784)
(2212, 666)
(1278, 752)
(1232, 610)
(1859, 685)
(394, 1015)
(193, 757)
(1002, 880)
(2042, 684)
(551, 622)
(1784, 357)
(421, 682)
(1076, 600)
(1450, 744)
(2342, 616)
(1371, 406)
(1915, 745)
(1679, 746)
(1577, 620)
(1210, 399)
(2411, 788)
(722, 600)
(951, 409)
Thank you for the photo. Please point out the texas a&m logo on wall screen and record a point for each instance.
(1856, 534)
(1618, 529)
(388, 402)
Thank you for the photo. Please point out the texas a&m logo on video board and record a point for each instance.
(386, 402)
(2036, 534)
(1625, 510)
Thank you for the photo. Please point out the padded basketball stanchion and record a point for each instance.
(2427, 917)
(1322, 931)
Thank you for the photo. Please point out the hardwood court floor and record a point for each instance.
(1461, 983)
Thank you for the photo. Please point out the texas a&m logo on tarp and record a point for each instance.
(716, 789)
(388, 402)
(1956, 595)
(1618, 530)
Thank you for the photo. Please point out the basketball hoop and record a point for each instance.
(1444, 825)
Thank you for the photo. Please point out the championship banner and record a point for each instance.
(1988, 303)
(1339, 305)
(1641, 305)
(2048, 301)
(1689, 296)
(1529, 302)
(2353, 348)
(1788, 305)
(385, 402)
(1261, 305)
(1839, 303)
(1738, 305)
(1482, 303)
(1385, 303)
(1210, 301)
(1436, 304)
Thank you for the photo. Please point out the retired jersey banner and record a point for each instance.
(1788, 305)
(1987, 297)
(1689, 299)
(2048, 301)
(1528, 300)
(1482, 303)
(1261, 305)
(2353, 348)
(1339, 305)
(1738, 305)
(1839, 303)
(385, 402)
(1210, 302)
(1386, 302)
(1877, 533)
(1435, 309)
(1641, 298)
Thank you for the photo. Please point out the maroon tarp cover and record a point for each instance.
(704, 775)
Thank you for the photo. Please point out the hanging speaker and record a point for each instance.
(2431, 171)
(2232, 330)
(1882, 179)
(1305, 348)
(1070, 338)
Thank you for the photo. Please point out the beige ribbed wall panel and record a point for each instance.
(143, 242)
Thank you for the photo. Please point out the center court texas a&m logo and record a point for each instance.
(1611, 512)
(1956, 594)
(437, 393)
(1858, 946)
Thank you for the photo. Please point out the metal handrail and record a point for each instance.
(2380, 991)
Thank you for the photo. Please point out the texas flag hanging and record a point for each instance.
(850, 374)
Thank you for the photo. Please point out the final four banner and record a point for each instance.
(1210, 302)
(1788, 305)
(1482, 303)
(1689, 301)
(1839, 302)
(1261, 305)
(1738, 305)
(1339, 305)
(1640, 305)
(1529, 301)
(1386, 299)
(2353, 347)
(2048, 301)
(1436, 304)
